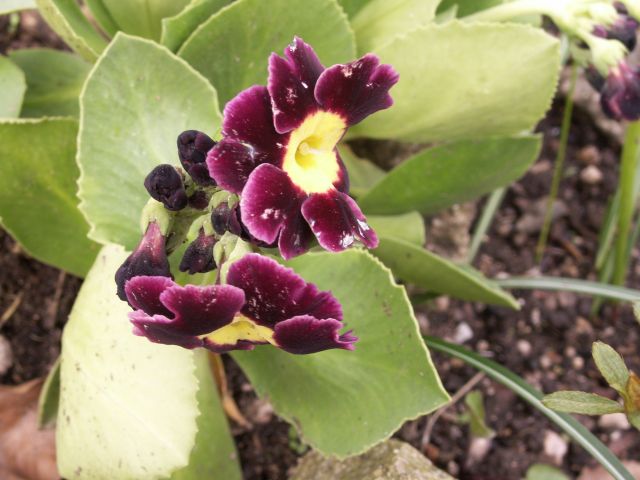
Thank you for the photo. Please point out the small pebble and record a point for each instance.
(6, 355)
(463, 333)
(555, 447)
(589, 155)
(591, 175)
(524, 347)
(614, 421)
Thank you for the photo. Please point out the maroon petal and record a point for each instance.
(231, 162)
(143, 293)
(158, 329)
(292, 81)
(337, 222)
(305, 334)
(267, 200)
(620, 96)
(342, 184)
(295, 236)
(356, 90)
(275, 293)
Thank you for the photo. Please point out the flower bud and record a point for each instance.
(192, 150)
(164, 184)
(620, 96)
(622, 29)
(149, 258)
(225, 219)
(199, 200)
(595, 79)
(198, 257)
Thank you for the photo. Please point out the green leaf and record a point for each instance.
(9, 6)
(131, 113)
(38, 203)
(68, 21)
(128, 407)
(478, 426)
(469, 80)
(49, 399)
(540, 471)
(529, 394)
(381, 21)
(232, 48)
(214, 455)
(344, 402)
(176, 29)
(416, 265)
(54, 81)
(363, 174)
(142, 18)
(611, 366)
(12, 87)
(103, 16)
(571, 285)
(636, 310)
(351, 7)
(581, 402)
(408, 227)
(453, 173)
(467, 7)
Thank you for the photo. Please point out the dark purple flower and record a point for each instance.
(594, 77)
(165, 185)
(227, 219)
(149, 258)
(198, 257)
(262, 303)
(623, 30)
(279, 149)
(620, 95)
(192, 150)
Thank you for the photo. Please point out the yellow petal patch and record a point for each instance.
(242, 328)
(310, 160)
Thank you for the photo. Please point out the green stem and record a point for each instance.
(558, 168)
(488, 213)
(627, 200)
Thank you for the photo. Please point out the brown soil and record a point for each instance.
(548, 341)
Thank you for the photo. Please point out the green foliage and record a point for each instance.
(54, 81)
(49, 399)
(467, 7)
(176, 29)
(611, 366)
(540, 471)
(408, 227)
(453, 173)
(466, 80)
(581, 402)
(231, 49)
(9, 6)
(344, 402)
(38, 204)
(477, 423)
(131, 115)
(12, 88)
(351, 7)
(102, 15)
(363, 174)
(416, 265)
(68, 21)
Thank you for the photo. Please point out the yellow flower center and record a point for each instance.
(310, 160)
(241, 328)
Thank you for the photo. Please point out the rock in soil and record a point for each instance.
(390, 460)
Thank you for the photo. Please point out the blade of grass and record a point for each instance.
(489, 211)
(558, 167)
(529, 394)
(571, 285)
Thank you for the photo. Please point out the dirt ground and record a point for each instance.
(548, 341)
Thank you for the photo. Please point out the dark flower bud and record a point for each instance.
(624, 30)
(149, 259)
(199, 200)
(193, 147)
(198, 257)
(164, 184)
(225, 219)
(595, 79)
(620, 96)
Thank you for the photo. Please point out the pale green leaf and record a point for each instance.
(12, 88)
(408, 227)
(54, 81)
(416, 265)
(66, 18)
(478, 426)
(128, 407)
(352, 7)
(466, 80)
(49, 399)
(344, 402)
(8, 6)
(541, 471)
(176, 29)
(232, 48)
(142, 18)
(131, 112)
(214, 455)
(636, 310)
(380, 21)
(103, 16)
(581, 402)
(611, 366)
(363, 174)
(467, 7)
(38, 203)
(452, 173)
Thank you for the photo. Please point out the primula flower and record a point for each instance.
(192, 151)
(620, 95)
(149, 258)
(279, 149)
(262, 303)
(198, 257)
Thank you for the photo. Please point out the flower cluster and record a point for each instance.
(275, 179)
